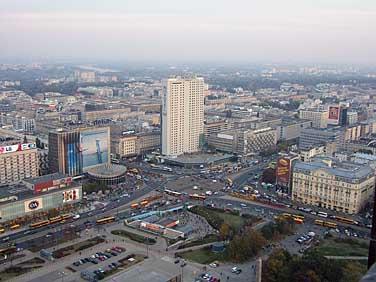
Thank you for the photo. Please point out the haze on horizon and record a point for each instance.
(289, 31)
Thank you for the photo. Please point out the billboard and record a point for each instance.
(62, 181)
(33, 205)
(283, 170)
(94, 147)
(334, 113)
(71, 195)
(17, 148)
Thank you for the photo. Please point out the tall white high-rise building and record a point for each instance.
(182, 115)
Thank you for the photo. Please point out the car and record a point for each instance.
(236, 270)
(76, 216)
(117, 249)
(176, 261)
(299, 240)
(102, 258)
(243, 205)
(205, 276)
(214, 265)
(76, 263)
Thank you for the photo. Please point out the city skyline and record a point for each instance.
(165, 31)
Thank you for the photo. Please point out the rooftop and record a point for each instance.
(334, 167)
(45, 178)
(107, 170)
(21, 192)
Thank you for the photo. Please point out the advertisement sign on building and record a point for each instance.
(333, 113)
(17, 148)
(33, 205)
(63, 181)
(71, 195)
(283, 170)
(94, 147)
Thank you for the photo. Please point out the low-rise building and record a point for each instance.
(134, 144)
(244, 141)
(327, 150)
(318, 117)
(291, 129)
(313, 137)
(327, 183)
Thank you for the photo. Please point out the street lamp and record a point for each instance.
(182, 272)
(62, 274)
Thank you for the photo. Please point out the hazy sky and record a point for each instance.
(318, 31)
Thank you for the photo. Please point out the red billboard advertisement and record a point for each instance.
(283, 170)
(334, 113)
(17, 148)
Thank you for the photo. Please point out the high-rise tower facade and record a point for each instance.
(182, 115)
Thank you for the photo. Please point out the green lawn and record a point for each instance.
(203, 256)
(216, 217)
(134, 237)
(207, 239)
(342, 247)
(235, 221)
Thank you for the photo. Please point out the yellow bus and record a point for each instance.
(298, 220)
(15, 226)
(65, 216)
(105, 220)
(298, 216)
(135, 206)
(197, 197)
(144, 203)
(330, 224)
(319, 222)
(346, 220)
(55, 219)
(39, 224)
(229, 181)
(2, 230)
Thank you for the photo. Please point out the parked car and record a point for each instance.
(236, 270)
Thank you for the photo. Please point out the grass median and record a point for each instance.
(134, 237)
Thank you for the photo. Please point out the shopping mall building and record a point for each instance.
(37, 195)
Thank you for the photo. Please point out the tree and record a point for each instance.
(268, 175)
(224, 231)
(246, 246)
(353, 271)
